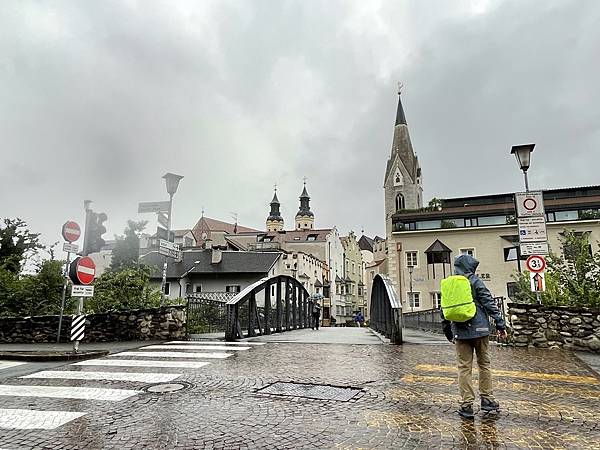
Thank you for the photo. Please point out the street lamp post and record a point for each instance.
(172, 182)
(410, 294)
(523, 155)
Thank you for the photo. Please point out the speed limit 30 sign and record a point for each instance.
(536, 263)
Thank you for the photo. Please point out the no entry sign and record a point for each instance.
(82, 270)
(71, 231)
(536, 263)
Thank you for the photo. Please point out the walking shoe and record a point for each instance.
(466, 411)
(488, 405)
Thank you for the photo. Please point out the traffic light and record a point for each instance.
(93, 232)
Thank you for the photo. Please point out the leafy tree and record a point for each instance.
(41, 293)
(127, 249)
(572, 278)
(128, 288)
(16, 244)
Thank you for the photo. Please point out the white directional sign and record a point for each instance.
(169, 249)
(163, 219)
(530, 204)
(532, 229)
(153, 207)
(82, 290)
(70, 248)
(538, 281)
(534, 248)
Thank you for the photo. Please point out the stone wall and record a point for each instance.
(136, 325)
(555, 327)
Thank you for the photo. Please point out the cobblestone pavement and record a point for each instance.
(406, 398)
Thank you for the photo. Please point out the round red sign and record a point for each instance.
(536, 263)
(529, 204)
(71, 231)
(85, 270)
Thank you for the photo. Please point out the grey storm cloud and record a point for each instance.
(100, 99)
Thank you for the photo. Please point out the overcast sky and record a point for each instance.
(98, 99)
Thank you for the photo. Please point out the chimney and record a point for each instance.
(217, 255)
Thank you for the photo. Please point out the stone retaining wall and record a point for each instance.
(555, 326)
(168, 322)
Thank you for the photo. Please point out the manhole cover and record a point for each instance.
(314, 391)
(164, 388)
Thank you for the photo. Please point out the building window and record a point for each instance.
(233, 288)
(436, 299)
(312, 237)
(471, 222)
(566, 215)
(353, 268)
(414, 299)
(491, 220)
(399, 201)
(411, 259)
(467, 251)
(188, 288)
(197, 288)
(167, 288)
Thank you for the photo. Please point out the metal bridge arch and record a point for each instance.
(386, 309)
(286, 305)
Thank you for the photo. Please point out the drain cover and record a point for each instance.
(314, 391)
(164, 388)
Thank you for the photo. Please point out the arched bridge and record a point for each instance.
(386, 309)
(270, 305)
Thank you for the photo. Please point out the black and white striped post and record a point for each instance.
(78, 328)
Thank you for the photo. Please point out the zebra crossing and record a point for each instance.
(146, 365)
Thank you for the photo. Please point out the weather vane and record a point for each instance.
(304, 179)
(275, 186)
(400, 86)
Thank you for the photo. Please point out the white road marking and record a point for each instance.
(26, 419)
(215, 343)
(81, 393)
(143, 363)
(175, 355)
(195, 347)
(7, 364)
(143, 377)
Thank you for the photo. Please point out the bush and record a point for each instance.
(124, 289)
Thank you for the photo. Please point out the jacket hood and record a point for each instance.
(465, 264)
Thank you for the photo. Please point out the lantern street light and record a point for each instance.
(523, 155)
(172, 181)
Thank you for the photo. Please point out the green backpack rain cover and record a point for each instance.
(457, 299)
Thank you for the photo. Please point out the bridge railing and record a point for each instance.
(271, 305)
(386, 309)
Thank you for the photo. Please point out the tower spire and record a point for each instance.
(304, 217)
(400, 117)
(274, 220)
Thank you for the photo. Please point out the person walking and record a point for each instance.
(473, 336)
(359, 319)
(316, 314)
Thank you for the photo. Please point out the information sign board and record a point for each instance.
(530, 204)
(532, 229)
(534, 248)
(82, 290)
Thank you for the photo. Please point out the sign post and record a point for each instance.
(70, 232)
(533, 236)
(81, 272)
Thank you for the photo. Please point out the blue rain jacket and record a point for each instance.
(479, 325)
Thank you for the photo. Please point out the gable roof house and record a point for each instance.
(211, 271)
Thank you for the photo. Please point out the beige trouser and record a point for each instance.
(464, 355)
